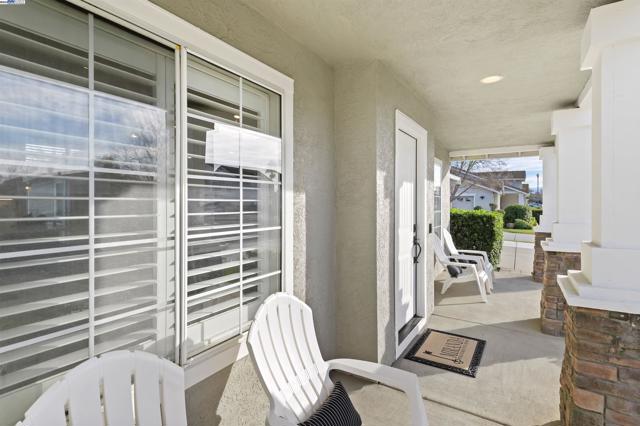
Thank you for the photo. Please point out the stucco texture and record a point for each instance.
(367, 95)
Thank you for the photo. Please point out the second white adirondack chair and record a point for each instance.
(283, 345)
(119, 388)
(477, 255)
(468, 272)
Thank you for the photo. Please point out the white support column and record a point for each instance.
(550, 189)
(610, 276)
(572, 128)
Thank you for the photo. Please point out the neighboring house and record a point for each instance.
(489, 190)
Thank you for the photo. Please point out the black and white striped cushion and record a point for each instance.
(337, 410)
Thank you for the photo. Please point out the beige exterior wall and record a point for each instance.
(355, 131)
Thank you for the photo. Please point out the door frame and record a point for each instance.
(405, 124)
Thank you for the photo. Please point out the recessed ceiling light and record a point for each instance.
(492, 79)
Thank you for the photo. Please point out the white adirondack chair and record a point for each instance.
(119, 388)
(469, 271)
(478, 256)
(283, 345)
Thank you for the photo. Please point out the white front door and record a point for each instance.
(410, 231)
(406, 155)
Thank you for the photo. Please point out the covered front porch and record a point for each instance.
(518, 375)
(223, 154)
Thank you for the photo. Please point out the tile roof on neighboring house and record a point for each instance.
(514, 189)
(519, 175)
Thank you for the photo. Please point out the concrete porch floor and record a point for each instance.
(518, 379)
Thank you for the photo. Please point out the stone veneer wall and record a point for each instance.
(552, 303)
(600, 380)
(538, 256)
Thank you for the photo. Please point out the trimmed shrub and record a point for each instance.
(516, 211)
(536, 212)
(521, 224)
(478, 230)
(477, 208)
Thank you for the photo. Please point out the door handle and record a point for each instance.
(416, 243)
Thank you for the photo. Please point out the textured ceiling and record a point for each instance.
(442, 48)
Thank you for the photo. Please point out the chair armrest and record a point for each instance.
(389, 376)
(476, 252)
(456, 261)
(475, 259)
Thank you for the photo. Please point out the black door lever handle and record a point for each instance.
(416, 243)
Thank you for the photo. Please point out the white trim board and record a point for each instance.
(498, 152)
(156, 20)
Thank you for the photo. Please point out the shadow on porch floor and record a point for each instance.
(518, 379)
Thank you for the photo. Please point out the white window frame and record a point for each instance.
(437, 161)
(150, 20)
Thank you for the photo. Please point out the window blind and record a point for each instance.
(234, 221)
(86, 192)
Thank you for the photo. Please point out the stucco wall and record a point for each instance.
(355, 132)
(365, 150)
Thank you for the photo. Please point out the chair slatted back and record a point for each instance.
(119, 388)
(284, 348)
(441, 256)
(448, 241)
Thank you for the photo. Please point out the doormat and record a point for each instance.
(453, 352)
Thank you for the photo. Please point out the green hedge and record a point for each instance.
(521, 224)
(478, 230)
(516, 211)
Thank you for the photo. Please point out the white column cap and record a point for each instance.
(546, 151)
(607, 25)
(568, 118)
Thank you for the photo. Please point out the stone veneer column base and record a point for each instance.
(600, 380)
(538, 256)
(552, 302)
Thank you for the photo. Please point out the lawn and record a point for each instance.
(520, 231)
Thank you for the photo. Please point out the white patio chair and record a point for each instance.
(476, 255)
(460, 270)
(119, 388)
(283, 345)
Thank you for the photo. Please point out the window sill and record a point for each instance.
(214, 360)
